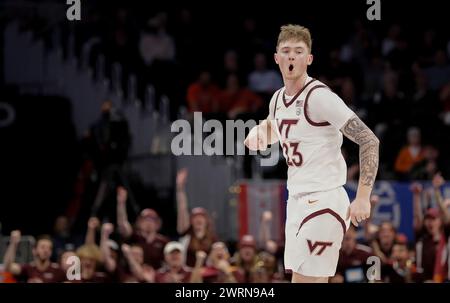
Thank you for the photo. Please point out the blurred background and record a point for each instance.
(86, 109)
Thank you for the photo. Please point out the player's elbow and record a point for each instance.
(376, 140)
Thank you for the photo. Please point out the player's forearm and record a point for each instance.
(368, 168)
(368, 143)
(268, 128)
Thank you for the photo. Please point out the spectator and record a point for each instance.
(155, 43)
(41, 270)
(245, 258)
(203, 95)
(439, 74)
(90, 261)
(383, 243)
(109, 250)
(64, 262)
(352, 264)
(137, 270)
(174, 269)
(428, 167)
(62, 237)
(145, 231)
(236, 100)
(410, 154)
(430, 247)
(263, 80)
(444, 98)
(402, 269)
(432, 233)
(218, 268)
(195, 229)
(271, 256)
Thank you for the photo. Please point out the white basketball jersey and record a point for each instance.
(308, 127)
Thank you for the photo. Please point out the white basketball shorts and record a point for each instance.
(315, 226)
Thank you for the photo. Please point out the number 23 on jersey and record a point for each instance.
(290, 149)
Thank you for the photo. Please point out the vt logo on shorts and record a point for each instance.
(323, 245)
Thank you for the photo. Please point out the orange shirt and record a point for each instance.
(405, 160)
(203, 98)
(243, 100)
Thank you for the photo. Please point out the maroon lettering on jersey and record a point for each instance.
(288, 123)
(323, 245)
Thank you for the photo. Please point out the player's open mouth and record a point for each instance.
(291, 67)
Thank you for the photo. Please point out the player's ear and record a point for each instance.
(310, 59)
(275, 57)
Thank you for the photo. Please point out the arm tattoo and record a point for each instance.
(368, 143)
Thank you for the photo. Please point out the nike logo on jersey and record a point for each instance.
(312, 201)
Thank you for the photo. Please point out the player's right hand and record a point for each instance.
(15, 237)
(256, 139)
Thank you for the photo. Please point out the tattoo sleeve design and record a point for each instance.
(368, 143)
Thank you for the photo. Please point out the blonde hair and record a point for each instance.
(91, 251)
(295, 32)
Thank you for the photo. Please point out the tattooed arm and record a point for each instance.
(358, 132)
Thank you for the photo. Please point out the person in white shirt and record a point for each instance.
(308, 120)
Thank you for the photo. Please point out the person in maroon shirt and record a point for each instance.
(90, 260)
(41, 270)
(430, 247)
(401, 269)
(384, 241)
(352, 259)
(432, 234)
(145, 232)
(174, 269)
(218, 268)
(246, 257)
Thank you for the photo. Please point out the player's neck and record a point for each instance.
(293, 86)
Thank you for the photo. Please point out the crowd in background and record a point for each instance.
(125, 251)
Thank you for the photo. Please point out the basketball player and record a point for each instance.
(309, 119)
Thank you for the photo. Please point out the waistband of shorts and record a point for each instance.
(304, 194)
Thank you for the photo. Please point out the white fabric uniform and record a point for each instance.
(308, 127)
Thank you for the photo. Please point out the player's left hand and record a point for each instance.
(359, 210)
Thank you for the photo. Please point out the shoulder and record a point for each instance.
(275, 96)
(319, 90)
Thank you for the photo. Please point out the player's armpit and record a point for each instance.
(358, 132)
